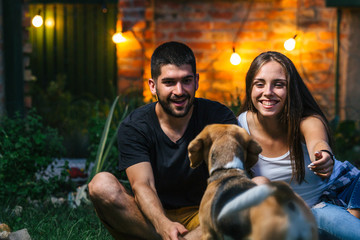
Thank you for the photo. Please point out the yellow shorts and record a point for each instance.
(187, 216)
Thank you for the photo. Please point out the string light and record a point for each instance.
(37, 20)
(235, 58)
(118, 35)
(289, 44)
(49, 22)
(118, 38)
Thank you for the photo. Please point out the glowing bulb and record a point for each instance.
(37, 21)
(118, 38)
(290, 44)
(49, 22)
(235, 59)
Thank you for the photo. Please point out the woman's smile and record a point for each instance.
(269, 91)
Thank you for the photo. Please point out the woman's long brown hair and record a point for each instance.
(299, 104)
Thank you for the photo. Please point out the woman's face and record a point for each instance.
(269, 89)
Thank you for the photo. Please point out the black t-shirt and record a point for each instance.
(141, 139)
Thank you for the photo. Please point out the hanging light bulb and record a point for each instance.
(49, 22)
(37, 20)
(118, 38)
(235, 58)
(289, 44)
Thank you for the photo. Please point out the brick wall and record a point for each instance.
(211, 28)
(2, 84)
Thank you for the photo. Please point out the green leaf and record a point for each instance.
(99, 155)
(112, 140)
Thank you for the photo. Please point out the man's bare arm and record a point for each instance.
(143, 185)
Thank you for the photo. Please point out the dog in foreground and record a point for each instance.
(233, 206)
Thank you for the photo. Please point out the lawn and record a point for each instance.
(48, 222)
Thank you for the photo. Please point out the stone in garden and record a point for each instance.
(17, 210)
(57, 201)
(20, 235)
(4, 235)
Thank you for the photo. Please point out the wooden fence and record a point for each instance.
(75, 43)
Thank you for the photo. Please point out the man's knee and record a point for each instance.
(104, 186)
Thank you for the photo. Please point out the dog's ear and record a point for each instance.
(196, 152)
(253, 151)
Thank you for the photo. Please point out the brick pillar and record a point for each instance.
(132, 53)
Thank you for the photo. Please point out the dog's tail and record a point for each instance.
(250, 198)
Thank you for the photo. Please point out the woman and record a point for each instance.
(283, 117)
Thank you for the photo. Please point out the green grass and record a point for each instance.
(58, 223)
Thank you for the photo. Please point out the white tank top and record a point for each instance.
(279, 168)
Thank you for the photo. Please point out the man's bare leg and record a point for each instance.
(117, 209)
(193, 235)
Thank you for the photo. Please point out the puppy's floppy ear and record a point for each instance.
(196, 152)
(253, 151)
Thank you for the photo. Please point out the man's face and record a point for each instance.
(175, 89)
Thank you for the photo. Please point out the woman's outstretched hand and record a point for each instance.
(323, 164)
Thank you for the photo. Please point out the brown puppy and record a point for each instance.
(234, 207)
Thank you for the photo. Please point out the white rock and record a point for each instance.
(20, 235)
(4, 235)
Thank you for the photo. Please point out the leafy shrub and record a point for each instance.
(347, 141)
(65, 112)
(27, 147)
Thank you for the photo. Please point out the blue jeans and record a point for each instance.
(335, 222)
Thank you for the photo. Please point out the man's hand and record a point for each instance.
(172, 231)
(323, 164)
(143, 185)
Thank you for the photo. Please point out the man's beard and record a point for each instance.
(166, 105)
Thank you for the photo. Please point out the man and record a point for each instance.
(153, 143)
